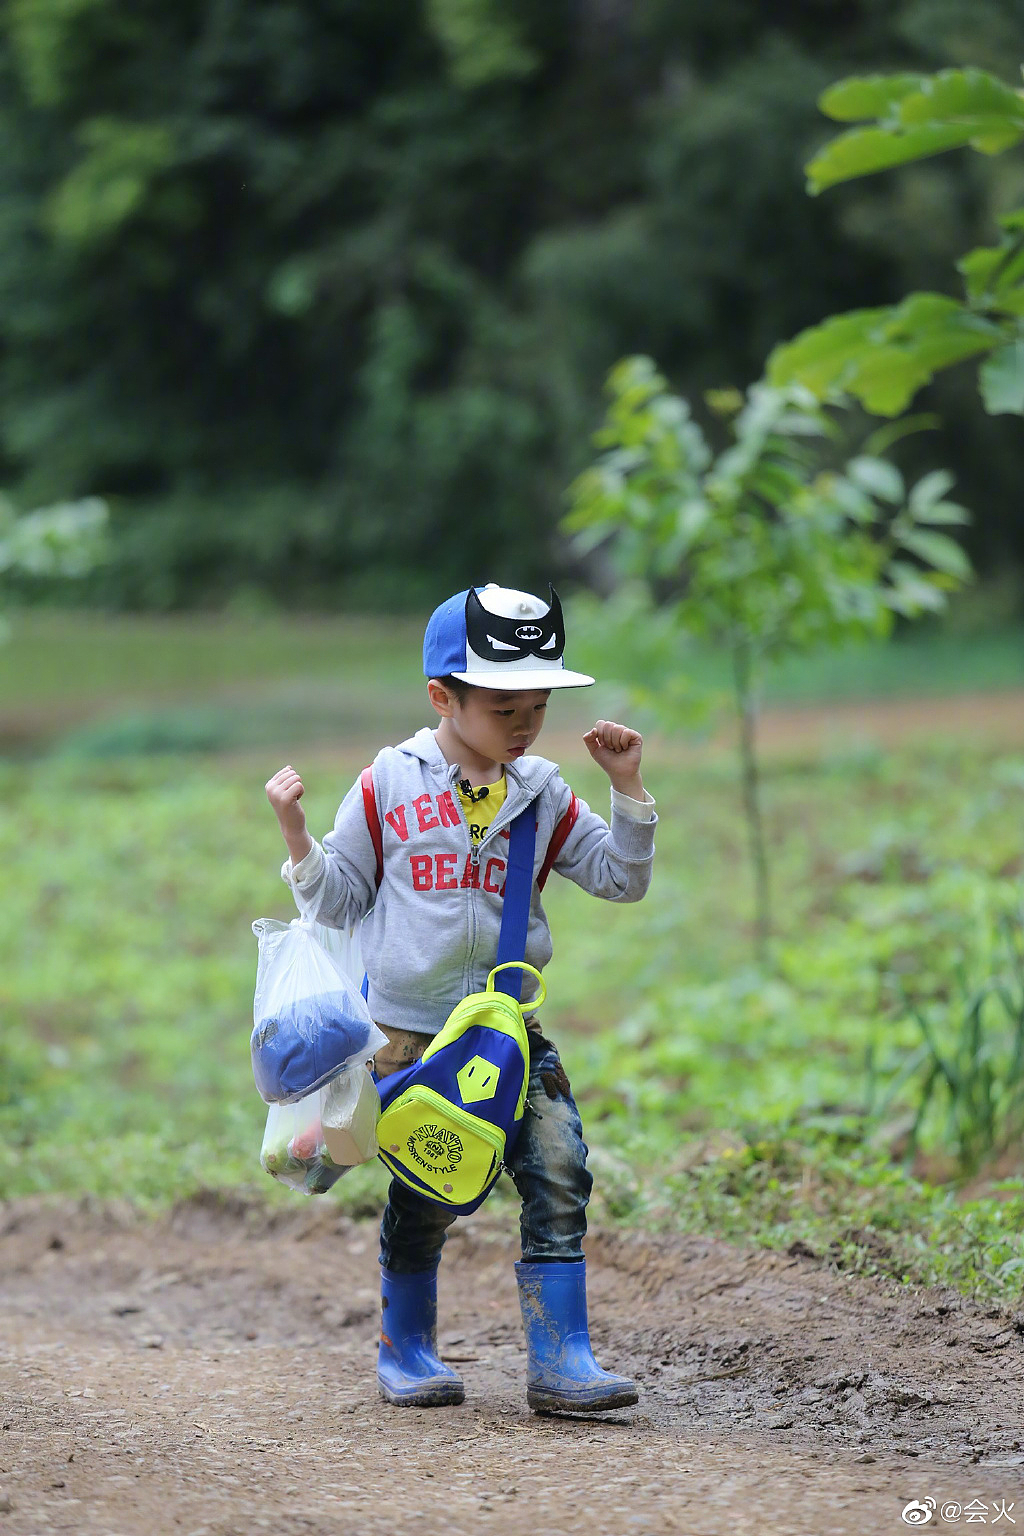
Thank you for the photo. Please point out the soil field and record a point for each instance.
(212, 1374)
(996, 719)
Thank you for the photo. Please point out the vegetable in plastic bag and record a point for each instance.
(293, 1148)
(308, 1145)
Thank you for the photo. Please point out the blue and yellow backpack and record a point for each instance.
(449, 1120)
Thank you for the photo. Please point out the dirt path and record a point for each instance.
(996, 719)
(212, 1375)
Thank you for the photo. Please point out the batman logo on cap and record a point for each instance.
(499, 639)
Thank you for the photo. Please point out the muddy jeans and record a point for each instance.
(548, 1166)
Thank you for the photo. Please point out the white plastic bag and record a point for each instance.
(312, 1037)
(309, 1017)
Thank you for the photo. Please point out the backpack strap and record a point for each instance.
(373, 820)
(558, 838)
(374, 828)
(515, 912)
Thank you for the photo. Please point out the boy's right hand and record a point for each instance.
(284, 791)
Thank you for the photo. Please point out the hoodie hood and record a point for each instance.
(528, 773)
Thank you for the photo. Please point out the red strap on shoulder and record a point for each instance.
(373, 820)
(558, 838)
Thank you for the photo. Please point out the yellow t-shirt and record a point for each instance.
(482, 808)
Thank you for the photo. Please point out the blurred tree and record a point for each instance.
(51, 544)
(321, 296)
(764, 551)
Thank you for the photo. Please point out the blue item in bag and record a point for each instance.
(309, 1020)
(303, 1044)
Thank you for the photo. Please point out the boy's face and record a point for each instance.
(497, 727)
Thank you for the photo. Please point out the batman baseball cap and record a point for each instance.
(497, 637)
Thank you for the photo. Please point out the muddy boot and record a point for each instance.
(408, 1370)
(562, 1375)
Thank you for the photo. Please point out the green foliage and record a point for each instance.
(762, 551)
(481, 40)
(112, 183)
(774, 553)
(883, 357)
(50, 545)
(60, 541)
(321, 296)
(43, 38)
(846, 1205)
(968, 1074)
(917, 116)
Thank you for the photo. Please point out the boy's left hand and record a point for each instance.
(617, 749)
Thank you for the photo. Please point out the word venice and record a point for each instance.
(921, 1512)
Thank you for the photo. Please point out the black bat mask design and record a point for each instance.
(497, 639)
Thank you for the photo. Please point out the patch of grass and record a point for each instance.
(932, 664)
(56, 658)
(94, 685)
(821, 1198)
(106, 685)
(127, 965)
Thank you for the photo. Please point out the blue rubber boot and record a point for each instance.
(408, 1370)
(562, 1375)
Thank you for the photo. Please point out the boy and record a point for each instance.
(445, 799)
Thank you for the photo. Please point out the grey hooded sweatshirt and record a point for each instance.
(430, 934)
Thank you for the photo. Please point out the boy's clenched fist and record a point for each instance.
(617, 750)
(284, 791)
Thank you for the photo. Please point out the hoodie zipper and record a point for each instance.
(502, 822)
(474, 857)
(476, 850)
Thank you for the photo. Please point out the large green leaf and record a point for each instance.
(915, 119)
(883, 356)
(971, 97)
(938, 551)
(864, 96)
(865, 150)
(1001, 379)
(820, 356)
(886, 378)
